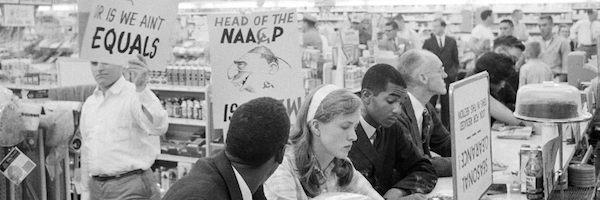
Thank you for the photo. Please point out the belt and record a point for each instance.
(103, 177)
(588, 45)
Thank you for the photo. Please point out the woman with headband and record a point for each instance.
(317, 162)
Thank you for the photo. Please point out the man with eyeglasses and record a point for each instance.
(424, 75)
(445, 48)
(390, 43)
(555, 49)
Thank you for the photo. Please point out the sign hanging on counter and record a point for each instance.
(118, 30)
(471, 136)
(18, 15)
(254, 55)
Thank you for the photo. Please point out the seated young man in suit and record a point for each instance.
(256, 141)
(382, 153)
(424, 75)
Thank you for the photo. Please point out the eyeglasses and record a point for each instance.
(440, 70)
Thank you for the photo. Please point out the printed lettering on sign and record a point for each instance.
(119, 30)
(254, 55)
(471, 139)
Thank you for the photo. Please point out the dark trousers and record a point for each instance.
(137, 186)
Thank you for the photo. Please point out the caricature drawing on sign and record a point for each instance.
(252, 71)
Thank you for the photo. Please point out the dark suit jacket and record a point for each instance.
(448, 55)
(437, 139)
(210, 178)
(395, 163)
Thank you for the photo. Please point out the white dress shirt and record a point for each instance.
(482, 32)
(520, 31)
(418, 107)
(410, 35)
(581, 31)
(369, 130)
(117, 136)
(246, 194)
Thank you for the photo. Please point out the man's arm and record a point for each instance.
(417, 171)
(501, 113)
(426, 45)
(146, 107)
(455, 54)
(442, 165)
(565, 49)
(440, 141)
(575, 30)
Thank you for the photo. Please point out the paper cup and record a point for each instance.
(30, 113)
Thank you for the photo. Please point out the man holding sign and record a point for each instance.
(120, 125)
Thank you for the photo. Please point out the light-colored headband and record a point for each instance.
(318, 98)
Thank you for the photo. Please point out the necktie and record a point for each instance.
(592, 39)
(377, 135)
(425, 125)
(440, 41)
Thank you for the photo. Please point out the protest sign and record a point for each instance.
(254, 55)
(118, 30)
(18, 15)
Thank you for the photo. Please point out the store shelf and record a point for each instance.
(174, 158)
(419, 20)
(536, 22)
(177, 88)
(187, 122)
(332, 19)
(532, 12)
(28, 87)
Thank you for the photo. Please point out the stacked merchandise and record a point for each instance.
(581, 175)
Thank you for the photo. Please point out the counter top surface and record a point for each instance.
(506, 151)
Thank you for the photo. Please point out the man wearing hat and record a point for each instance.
(363, 34)
(311, 35)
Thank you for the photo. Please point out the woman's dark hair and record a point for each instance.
(498, 66)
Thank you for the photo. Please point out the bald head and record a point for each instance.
(423, 72)
(414, 62)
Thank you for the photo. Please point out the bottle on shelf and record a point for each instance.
(176, 108)
(534, 175)
(163, 78)
(203, 110)
(169, 107)
(189, 108)
(197, 110)
(170, 75)
(184, 110)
